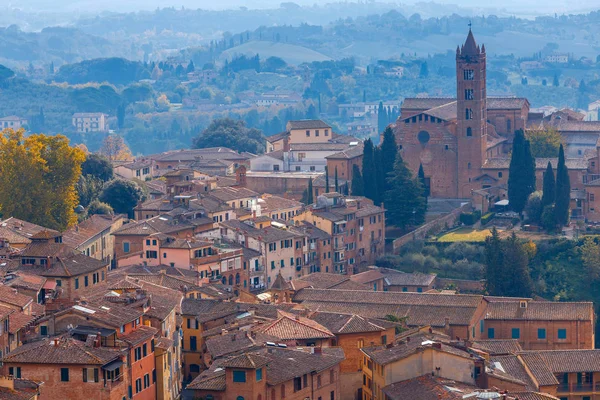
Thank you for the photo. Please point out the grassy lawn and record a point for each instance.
(465, 235)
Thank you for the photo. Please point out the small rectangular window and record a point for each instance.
(491, 333)
(64, 374)
(515, 333)
(259, 375)
(239, 376)
(541, 333)
(562, 333)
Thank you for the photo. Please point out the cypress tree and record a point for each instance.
(422, 180)
(326, 180)
(493, 263)
(389, 150)
(357, 182)
(368, 171)
(405, 203)
(337, 186)
(516, 280)
(309, 197)
(381, 118)
(563, 190)
(521, 177)
(549, 189)
(380, 177)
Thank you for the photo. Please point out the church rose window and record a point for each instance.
(423, 137)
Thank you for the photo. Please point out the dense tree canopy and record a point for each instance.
(506, 266)
(38, 175)
(122, 195)
(97, 166)
(544, 142)
(233, 134)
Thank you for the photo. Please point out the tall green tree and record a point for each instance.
(369, 171)
(517, 281)
(380, 177)
(521, 178)
(381, 118)
(337, 184)
(310, 199)
(493, 263)
(357, 182)
(549, 189)
(405, 203)
(389, 150)
(563, 190)
(421, 176)
(326, 180)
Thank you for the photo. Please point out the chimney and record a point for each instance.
(224, 332)
(447, 324)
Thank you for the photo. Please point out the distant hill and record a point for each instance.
(113, 70)
(291, 54)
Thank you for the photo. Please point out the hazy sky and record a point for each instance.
(84, 6)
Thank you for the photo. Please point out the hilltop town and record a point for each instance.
(452, 255)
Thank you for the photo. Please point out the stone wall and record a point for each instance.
(431, 228)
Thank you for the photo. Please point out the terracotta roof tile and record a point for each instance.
(308, 124)
(498, 347)
(141, 334)
(61, 350)
(294, 327)
(540, 311)
(10, 296)
(539, 369)
(18, 321)
(247, 360)
(367, 276)
(427, 387)
(566, 361)
(234, 342)
(511, 365)
(89, 228)
(349, 323)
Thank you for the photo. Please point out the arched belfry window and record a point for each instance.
(469, 131)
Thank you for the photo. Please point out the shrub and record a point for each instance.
(431, 251)
(469, 218)
(487, 218)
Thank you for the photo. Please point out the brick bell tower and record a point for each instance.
(471, 130)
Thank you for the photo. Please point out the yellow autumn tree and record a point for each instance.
(544, 142)
(115, 149)
(38, 174)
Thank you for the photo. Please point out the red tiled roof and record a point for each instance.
(10, 296)
(61, 350)
(294, 327)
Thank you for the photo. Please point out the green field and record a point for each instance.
(290, 53)
(465, 235)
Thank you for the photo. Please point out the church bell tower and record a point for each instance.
(471, 130)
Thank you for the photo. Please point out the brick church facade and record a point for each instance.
(464, 143)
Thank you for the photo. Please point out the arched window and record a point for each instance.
(272, 394)
(468, 165)
(237, 279)
(282, 391)
(239, 398)
(230, 279)
(469, 131)
(259, 397)
(499, 174)
(224, 281)
(468, 113)
(508, 127)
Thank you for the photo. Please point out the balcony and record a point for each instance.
(578, 387)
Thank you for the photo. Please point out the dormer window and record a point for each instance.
(523, 304)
